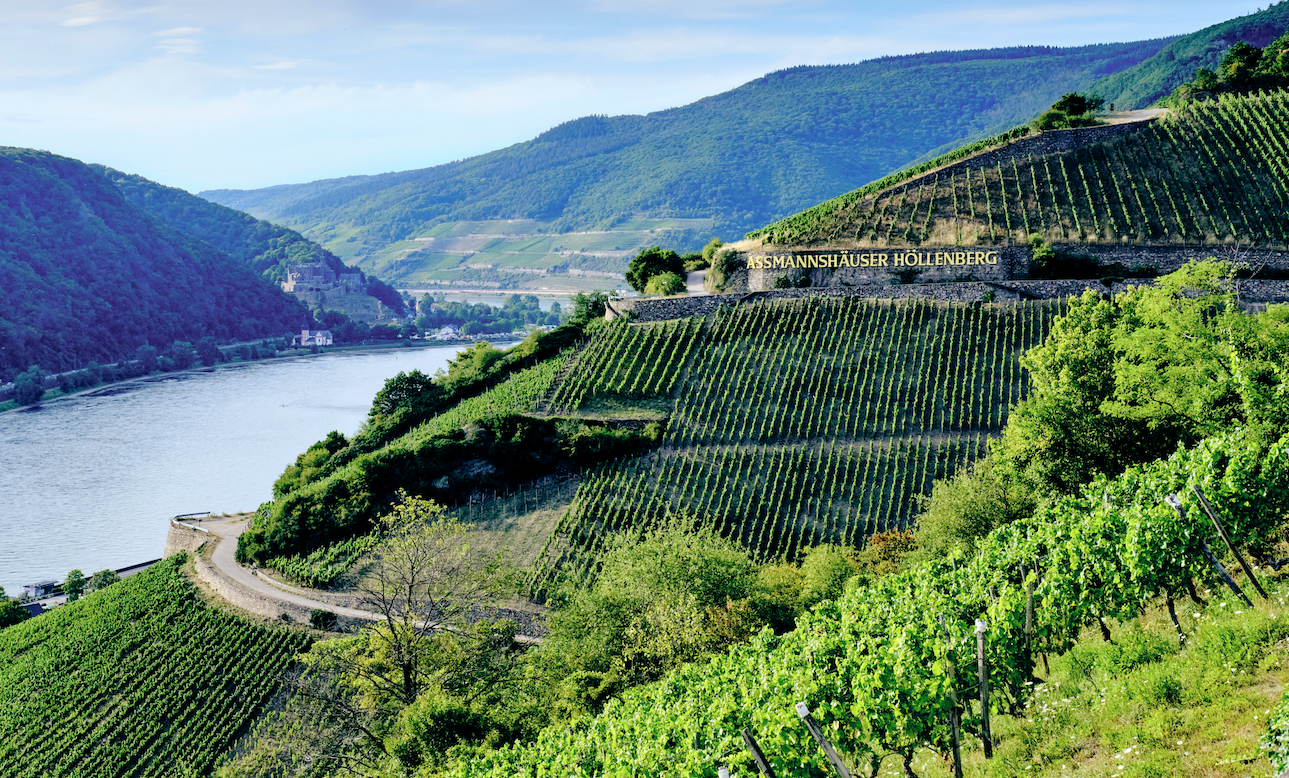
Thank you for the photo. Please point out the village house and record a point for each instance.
(314, 338)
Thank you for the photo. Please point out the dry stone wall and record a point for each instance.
(1253, 294)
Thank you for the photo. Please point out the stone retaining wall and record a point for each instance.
(258, 604)
(184, 537)
(1252, 294)
(1010, 263)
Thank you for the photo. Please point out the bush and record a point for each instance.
(651, 262)
(665, 284)
(29, 386)
(725, 262)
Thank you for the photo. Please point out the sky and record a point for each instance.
(244, 94)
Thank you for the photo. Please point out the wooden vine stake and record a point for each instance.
(1217, 524)
(818, 734)
(1213, 561)
(982, 670)
(754, 749)
(953, 703)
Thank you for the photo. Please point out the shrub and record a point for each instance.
(665, 284)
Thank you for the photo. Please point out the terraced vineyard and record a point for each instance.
(1217, 172)
(803, 422)
(141, 679)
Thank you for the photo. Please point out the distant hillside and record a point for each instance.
(90, 277)
(266, 247)
(1213, 174)
(735, 160)
(1156, 77)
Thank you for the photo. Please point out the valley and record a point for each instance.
(965, 454)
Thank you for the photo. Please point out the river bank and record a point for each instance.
(91, 480)
(296, 352)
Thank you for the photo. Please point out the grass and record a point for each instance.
(1143, 707)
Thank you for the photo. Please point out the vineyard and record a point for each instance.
(141, 679)
(1216, 172)
(803, 422)
(882, 668)
(628, 362)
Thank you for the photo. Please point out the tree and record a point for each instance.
(424, 583)
(709, 251)
(147, 356)
(649, 263)
(74, 586)
(102, 579)
(422, 580)
(413, 392)
(182, 354)
(29, 386)
(589, 305)
(208, 352)
(10, 612)
(665, 284)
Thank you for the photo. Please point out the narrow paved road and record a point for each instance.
(694, 283)
(224, 560)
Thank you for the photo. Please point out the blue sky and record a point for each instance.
(249, 93)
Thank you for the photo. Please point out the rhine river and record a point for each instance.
(91, 482)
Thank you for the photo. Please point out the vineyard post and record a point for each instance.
(1029, 624)
(1212, 515)
(754, 749)
(982, 670)
(953, 704)
(804, 712)
(1176, 504)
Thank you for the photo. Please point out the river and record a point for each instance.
(90, 482)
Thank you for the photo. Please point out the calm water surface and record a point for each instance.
(91, 482)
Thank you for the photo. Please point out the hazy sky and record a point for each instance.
(202, 94)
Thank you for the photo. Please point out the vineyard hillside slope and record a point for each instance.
(1212, 174)
(140, 679)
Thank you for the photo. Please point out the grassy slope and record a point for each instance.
(1216, 173)
(742, 157)
(140, 679)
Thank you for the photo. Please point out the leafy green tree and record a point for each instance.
(74, 586)
(10, 612)
(182, 354)
(658, 602)
(589, 305)
(824, 573)
(413, 392)
(208, 352)
(29, 386)
(101, 580)
(709, 251)
(665, 284)
(651, 262)
(147, 356)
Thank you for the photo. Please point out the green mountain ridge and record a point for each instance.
(738, 159)
(267, 248)
(91, 277)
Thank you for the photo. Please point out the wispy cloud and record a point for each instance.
(177, 32)
(285, 65)
(80, 21)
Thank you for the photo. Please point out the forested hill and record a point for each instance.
(266, 247)
(744, 157)
(90, 277)
(1157, 77)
